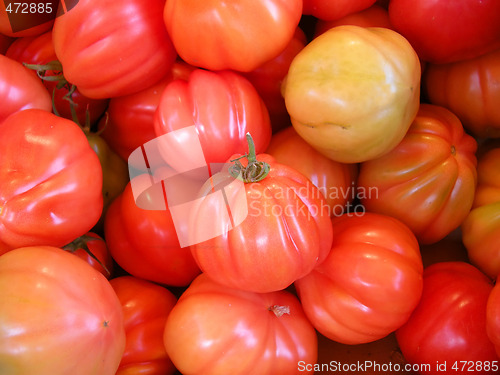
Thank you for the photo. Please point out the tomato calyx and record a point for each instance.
(279, 311)
(82, 243)
(255, 170)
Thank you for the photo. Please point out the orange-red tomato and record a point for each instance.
(58, 315)
(493, 317)
(428, 180)
(337, 181)
(218, 330)
(470, 89)
(481, 228)
(146, 307)
(370, 282)
(239, 35)
(353, 92)
(333, 10)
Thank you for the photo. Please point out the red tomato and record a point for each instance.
(230, 331)
(58, 314)
(493, 317)
(224, 107)
(5, 42)
(146, 307)
(129, 122)
(93, 249)
(431, 173)
(337, 181)
(448, 327)
(370, 282)
(144, 242)
(268, 77)
(481, 228)
(374, 16)
(283, 234)
(470, 90)
(110, 49)
(20, 90)
(442, 31)
(239, 35)
(39, 50)
(51, 180)
(333, 10)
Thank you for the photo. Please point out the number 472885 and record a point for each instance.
(29, 8)
(475, 366)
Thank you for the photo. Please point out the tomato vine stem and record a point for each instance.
(255, 170)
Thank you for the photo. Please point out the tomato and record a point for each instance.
(449, 324)
(115, 175)
(370, 282)
(469, 89)
(39, 50)
(493, 317)
(431, 173)
(110, 49)
(353, 92)
(5, 42)
(146, 307)
(144, 241)
(281, 225)
(337, 181)
(481, 227)
(19, 89)
(374, 16)
(333, 10)
(58, 315)
(231, 331)
(443, 31)
(223, 106)
(93, 249)
(268, 77)
(50, 190)
(243, 34)
(129, 122)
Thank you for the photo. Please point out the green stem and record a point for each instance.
(254, 171)
(82, 243)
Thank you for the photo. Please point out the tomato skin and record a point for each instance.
(39, 50)
(223, 106)
(146, 307)
(50, 191)
(334, 10)
(435, 163)
(449, 324)
(374, 16)
(121, 27)
(237, 332)
(68, 321)
(337, 181)
(144, 242)
(493, 317)
(268, 78)
(129, 122)
(370, 282)
(286, 231)
(347, 98)
(239, 37)
(443, 32)
(20, 90)
(468, 88)
(481, 227)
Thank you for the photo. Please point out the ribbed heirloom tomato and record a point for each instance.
(353, 92)
(58, 315)
(284, 233)
(214, 330)
(50, 181)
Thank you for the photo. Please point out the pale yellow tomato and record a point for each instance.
(353, 92)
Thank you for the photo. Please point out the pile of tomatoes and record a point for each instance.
(250, 187)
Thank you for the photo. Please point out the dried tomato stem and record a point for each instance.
(254, 171)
